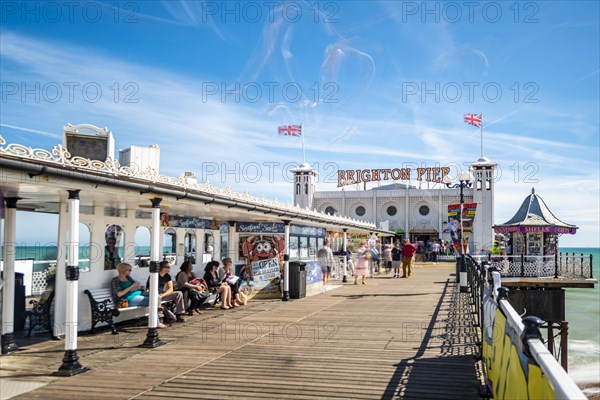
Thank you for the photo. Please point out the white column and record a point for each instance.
(70, 365)
(60, 302)
(345, 259)
(440, 214)
(286, 263)
(200, 246)
(231, 247)
(216, 255)
(375, 211)
(152, 339)
(8, 291)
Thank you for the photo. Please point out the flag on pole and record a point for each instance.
(473, 119)
(290, 130)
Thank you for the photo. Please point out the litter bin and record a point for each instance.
(19, 301)
(297, 279)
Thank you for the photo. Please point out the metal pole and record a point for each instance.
(152, 339)
(463, 266)
(70, 365)
(8, 291)
(286, 262)
(345, 252)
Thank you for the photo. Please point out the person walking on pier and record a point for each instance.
(396, 259)
(362, 263)
(326, 262)
(387, 258)
(408, 251)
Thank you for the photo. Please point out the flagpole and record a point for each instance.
(481, 134)
(303, 153)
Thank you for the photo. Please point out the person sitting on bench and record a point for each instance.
(124, 288)
(165, 290)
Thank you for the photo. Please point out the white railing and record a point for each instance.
(561, 266)
(562, 385)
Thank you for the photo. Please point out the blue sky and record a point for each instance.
(376, 85)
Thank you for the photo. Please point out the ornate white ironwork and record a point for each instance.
(569, 266)
(60, 156)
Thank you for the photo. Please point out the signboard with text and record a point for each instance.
(265, 270)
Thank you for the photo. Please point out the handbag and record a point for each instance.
(123, 304)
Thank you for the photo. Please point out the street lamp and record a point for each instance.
(465, 180)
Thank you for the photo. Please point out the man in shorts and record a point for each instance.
(325, 256)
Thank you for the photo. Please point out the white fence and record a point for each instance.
(560, 266)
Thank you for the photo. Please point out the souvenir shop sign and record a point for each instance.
(175, 221)
(354, 176)
(260, 227)
(536, 229)
(307, 231)
(265, 270)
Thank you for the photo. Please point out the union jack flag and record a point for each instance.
(473, 119)
(290, 130)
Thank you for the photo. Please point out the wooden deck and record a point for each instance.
(391, 338)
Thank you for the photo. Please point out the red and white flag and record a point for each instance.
(290, 130)
(473, 119)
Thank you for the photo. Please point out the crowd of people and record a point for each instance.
(186, 292)
(392, 257)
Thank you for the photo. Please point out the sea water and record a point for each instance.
(583, 315)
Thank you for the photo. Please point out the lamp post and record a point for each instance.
(465, 180)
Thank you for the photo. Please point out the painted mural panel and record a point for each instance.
(510, 373)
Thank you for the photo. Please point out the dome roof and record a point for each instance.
(535, 212)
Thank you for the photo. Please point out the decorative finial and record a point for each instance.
(532, 190)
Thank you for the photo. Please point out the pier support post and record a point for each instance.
(70, 365)
(8, 292)
(152, 339)
(286, 262)
(564, 348)
(551, 338)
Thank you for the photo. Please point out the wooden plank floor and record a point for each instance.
(391, 338)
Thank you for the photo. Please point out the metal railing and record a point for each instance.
(486, 296)
(564, 266)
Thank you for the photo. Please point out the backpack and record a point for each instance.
(374, 253)
(322, 253)
(169, 313)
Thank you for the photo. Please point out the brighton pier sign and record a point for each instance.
(354, 176)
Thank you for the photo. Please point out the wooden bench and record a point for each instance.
(39, 315)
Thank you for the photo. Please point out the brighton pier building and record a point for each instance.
(411, 211)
